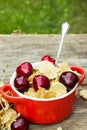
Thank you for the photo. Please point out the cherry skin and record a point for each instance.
(41, 81)
(48, 58)
(21, 83)
(20, 124)
(24, 69)
(69, 79)
(1, 105)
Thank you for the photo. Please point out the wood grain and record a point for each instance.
(15, 49)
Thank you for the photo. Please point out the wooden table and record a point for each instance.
(17, 48)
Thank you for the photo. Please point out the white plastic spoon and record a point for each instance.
(65, 28)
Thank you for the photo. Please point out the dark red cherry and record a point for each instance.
(21, 83)
(69, 79)
(1, 105)
(25, 69)
(48, 58)
(41, 81)
(20, 124)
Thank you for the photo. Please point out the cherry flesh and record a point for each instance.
(48, 58)
(69, 79)
(20, 124)
(21, 83)
(41, 81)
(25, 69)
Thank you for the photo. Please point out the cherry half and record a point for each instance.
(21, 83)
(48, 58)
(25, 69)
(41, 81)
(69, 79)
(20, 124)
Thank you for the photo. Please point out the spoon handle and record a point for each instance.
(65, 28)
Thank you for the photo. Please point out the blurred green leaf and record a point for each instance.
(42, 16)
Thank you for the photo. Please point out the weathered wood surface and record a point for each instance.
(15, 49)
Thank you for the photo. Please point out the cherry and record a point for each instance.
(1, 105)
(20, 124)
(48, 58)
(21, 83)
(24, 69)
(69, 79)
(41, 81)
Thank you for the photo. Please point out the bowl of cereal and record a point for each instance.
(43, 92)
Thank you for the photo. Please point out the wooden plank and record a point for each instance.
(15, 49)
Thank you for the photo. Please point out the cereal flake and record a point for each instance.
(83, 93)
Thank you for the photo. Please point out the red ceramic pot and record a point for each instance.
(43, 111)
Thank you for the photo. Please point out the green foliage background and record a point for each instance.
(42, 16)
